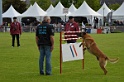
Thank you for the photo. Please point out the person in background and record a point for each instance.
(15, 31)
(45, 43)
(71, 25)
(97, 21)
(83, 27)
(94, 22)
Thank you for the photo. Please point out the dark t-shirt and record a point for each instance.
(43, 32)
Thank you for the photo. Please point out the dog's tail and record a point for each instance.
(114, 60)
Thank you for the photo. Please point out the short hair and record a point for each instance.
(71, 17)
(14, 17)
(46, 18)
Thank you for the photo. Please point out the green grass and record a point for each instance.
(21, 64)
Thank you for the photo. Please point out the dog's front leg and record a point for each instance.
(84, 48)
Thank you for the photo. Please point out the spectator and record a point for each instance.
(15, 31)
(83, 27)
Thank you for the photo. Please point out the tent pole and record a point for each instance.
(91, 20)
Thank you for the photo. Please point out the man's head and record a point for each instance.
(71, 19)
(47, 19)
(14, 19)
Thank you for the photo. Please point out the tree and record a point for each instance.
(19, 6)
(94, 4)
(78, 3)
(67, 3)
(44, 4)
(114, 6)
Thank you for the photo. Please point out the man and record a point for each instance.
(15, 31)
(71, 25)
(45, 43)
(97, 20)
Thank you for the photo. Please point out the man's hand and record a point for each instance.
(52, 47)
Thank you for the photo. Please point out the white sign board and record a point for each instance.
(72, 52)
(65, 10)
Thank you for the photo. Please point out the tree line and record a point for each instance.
(21, 6)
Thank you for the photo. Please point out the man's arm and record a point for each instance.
(77, 27)
(11, 29)
(52, 42)
(20, 28)
(37, 41)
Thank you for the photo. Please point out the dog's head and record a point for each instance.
(82, 34)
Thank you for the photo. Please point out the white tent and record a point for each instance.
(72, 8)
(85, 10)
(34, 11)
(119, 13)
(50, 8)
(104, 10)
(10, 13)
(57, 11)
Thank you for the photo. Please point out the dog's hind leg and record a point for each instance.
(102, 63)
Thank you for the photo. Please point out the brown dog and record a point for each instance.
(93, 49)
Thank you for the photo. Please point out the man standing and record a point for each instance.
(45, 43)
(71, 25)
(15, 31)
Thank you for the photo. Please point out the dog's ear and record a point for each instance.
(83, 33)
(79, 34)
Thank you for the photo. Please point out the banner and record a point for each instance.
(72, 52)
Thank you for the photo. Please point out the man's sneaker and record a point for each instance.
(41, 73)
(48, 74)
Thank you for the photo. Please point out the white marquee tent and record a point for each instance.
(72, 8)
(10, 13)
(85, 10)
(34, 11)
(50, 8)
(57, 11)
(119, 13)
(104, 10)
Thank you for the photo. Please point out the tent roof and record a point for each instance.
(10, 13)
(57, 11)
(29, 9)
(34, 11)
(72, 8)
(104, 9)
(50, 8)
(119, 11)
(85, 10)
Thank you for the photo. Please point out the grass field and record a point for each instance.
(21, 64)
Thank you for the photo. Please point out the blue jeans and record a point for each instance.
(45, 53)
